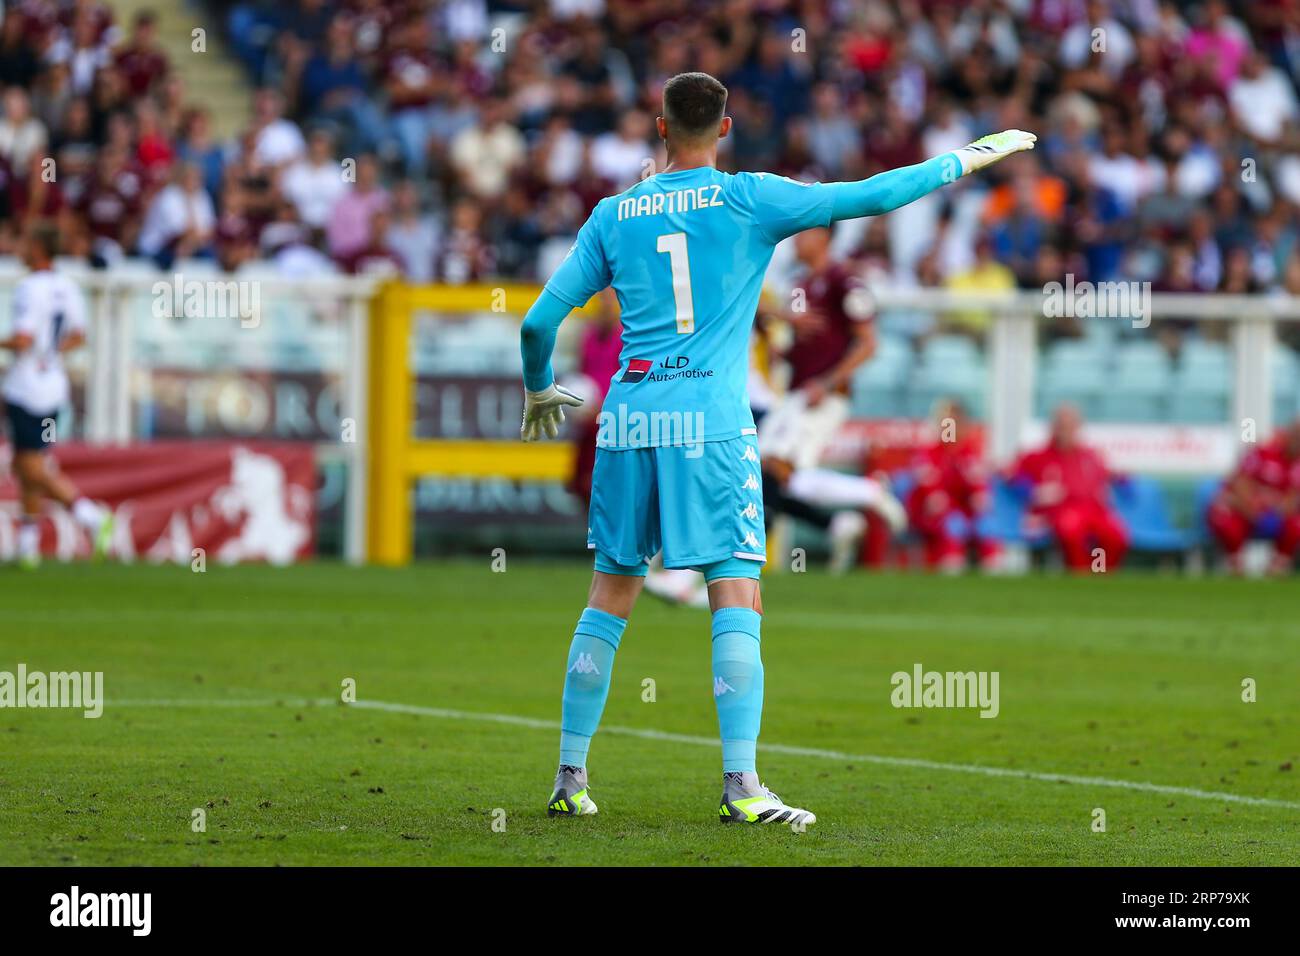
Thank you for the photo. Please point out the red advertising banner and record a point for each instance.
(237, 501)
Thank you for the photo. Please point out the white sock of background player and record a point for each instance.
(88, 514)
(29, 536)
(832, 489)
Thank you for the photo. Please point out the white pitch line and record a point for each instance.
(643, 733)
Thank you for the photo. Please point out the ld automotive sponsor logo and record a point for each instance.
(675, 367)
(671, 368)
(636, 370)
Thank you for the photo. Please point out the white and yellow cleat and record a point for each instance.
(570, 797)
(745, 800)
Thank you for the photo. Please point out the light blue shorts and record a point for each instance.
(701, 505)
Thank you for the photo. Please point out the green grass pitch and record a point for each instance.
(1105, 684)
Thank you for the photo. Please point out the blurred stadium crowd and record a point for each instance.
(1167, 131)
(467, 140)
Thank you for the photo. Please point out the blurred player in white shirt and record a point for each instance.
(49, 319)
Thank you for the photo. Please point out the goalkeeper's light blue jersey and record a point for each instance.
(686, 253)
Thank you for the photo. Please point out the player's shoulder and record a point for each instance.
(51, 281)
(765, 180)
(35, 285)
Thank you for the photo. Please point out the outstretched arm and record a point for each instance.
(898, 187)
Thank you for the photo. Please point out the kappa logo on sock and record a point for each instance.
(720, 687)
(584, 665)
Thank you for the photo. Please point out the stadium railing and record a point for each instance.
(348, 364)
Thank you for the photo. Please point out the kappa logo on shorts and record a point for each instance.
(750, 454)
(636, 370)
(751, 484)
(749, 511)
(749, 540)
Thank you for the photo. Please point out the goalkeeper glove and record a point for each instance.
(545, 410)
(987, 150)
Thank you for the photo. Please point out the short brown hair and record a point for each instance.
(46, 238)
(694, 104)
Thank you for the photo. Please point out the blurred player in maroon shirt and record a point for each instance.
(1069, 487)
(1262, 499)
(833, 336)
(951, 497)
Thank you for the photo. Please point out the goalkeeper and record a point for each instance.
(686, 251)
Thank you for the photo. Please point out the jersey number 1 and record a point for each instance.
(674, 243)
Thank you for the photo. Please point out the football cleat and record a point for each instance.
(570, 798)
(846, 530)
(891, 509)
(104, 535)
(745, 800)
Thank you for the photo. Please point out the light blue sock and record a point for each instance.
(738, 685)
(586, 682)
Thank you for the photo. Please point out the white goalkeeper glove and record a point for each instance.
(987, 150)
(544, 410)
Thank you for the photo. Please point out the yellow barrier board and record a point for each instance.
(396, 458)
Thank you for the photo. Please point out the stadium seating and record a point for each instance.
(1141, 504)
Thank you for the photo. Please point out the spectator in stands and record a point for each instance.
(22, 135)
(624, 157)
(181, 221)
(1261, 499)
(109, 209)
(1068, 487)
(84, 53)
(276, 141)
(141, 62)
(1263, 101)
(348, 229)
(410, 72)
(197, 146)
(465, 256)
(485, 155)
(153, 151)
(833, 134)
(1135, 159)
(412, 234)
(376, 257)
(316, 182)
(334, 87)
(948, 505)
(20, 63)
(987, 274)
